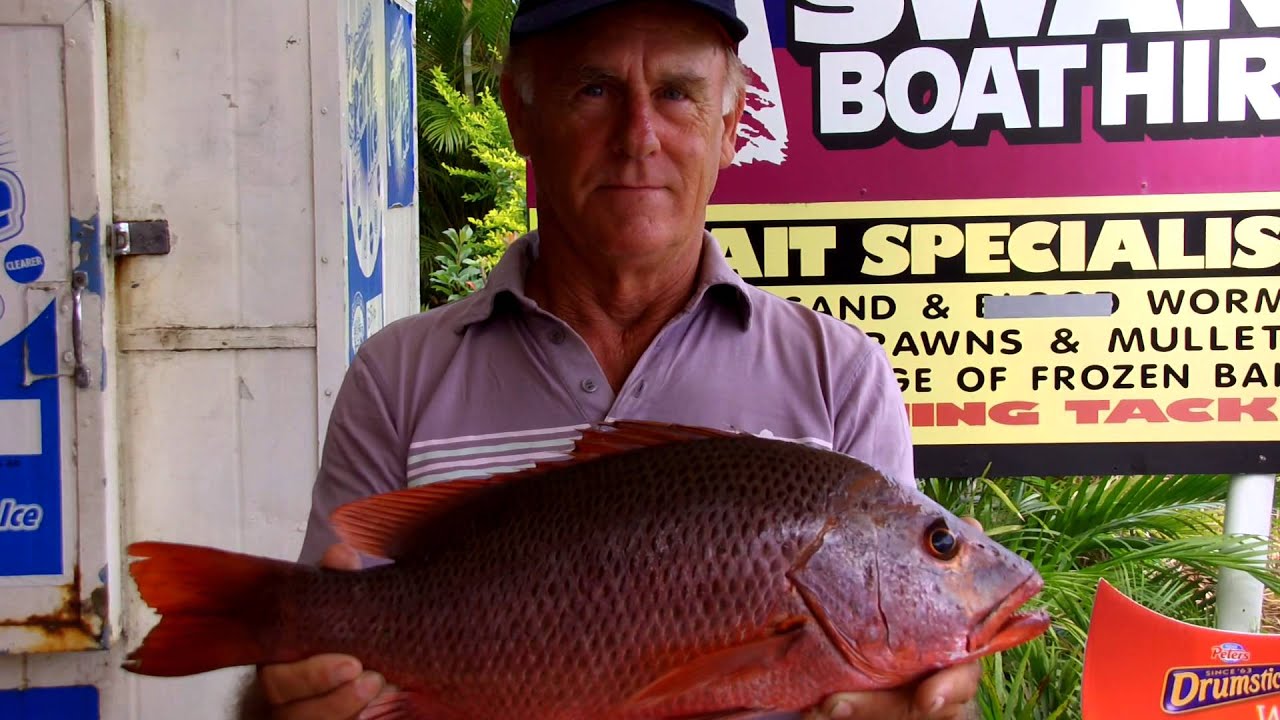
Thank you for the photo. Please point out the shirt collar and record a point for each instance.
(504, 287)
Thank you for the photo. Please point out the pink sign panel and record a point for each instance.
(854, 100)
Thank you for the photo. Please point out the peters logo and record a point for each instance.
(13, 204)
(1230, 653)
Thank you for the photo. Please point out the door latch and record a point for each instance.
(144, 237)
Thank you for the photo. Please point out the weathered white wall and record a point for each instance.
(402, 278)
(225, 121)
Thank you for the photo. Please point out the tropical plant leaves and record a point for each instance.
(469, 173)
(1158, 539)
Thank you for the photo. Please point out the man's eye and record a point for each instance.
(673, 94)
(594, 90)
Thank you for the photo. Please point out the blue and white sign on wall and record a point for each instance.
(78, 702)
(24, 264)
(35, 395)
(30, 494)
(364, 168)
(402, 125)
(13, 202)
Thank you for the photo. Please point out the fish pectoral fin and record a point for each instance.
(756, 656)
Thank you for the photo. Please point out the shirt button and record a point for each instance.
(589, 385)
(557, 336)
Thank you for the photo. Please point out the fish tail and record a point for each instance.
(213, 606)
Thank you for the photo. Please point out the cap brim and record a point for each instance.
(561, 12)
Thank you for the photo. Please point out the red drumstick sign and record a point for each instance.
(1140, 665)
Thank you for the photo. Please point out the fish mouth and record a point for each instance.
(1005, 627)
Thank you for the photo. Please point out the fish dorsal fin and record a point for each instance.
(736, 662)
(621, 436)
(389, 524)
(386, 525)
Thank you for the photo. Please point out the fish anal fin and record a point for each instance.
(404, 705)
(744, 715)
(387, 525)
(723, 665)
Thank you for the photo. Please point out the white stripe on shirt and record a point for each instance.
(495, 436)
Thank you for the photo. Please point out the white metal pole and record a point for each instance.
(1248, 513)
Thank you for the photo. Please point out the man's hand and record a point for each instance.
(945, 695)
(324, 687)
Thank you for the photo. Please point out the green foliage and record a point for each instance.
(1157, 539)
(481, 128)
(478, 130)
(468, 167)
(443, 29)
(458, 271)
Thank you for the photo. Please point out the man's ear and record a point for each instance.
(729, 138)
(517, 117)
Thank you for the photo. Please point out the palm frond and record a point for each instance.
(1158, 539)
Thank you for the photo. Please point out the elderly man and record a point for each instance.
(620, 306)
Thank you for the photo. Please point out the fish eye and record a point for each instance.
(940, 541)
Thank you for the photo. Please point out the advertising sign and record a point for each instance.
(78, 702)
(34, 257)
(1141, 665)
(402, 114)
(365, 168)
(1061, 219)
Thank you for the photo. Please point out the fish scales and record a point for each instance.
(653, 577)
(601, 568)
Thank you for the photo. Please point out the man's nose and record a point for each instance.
(638, 135)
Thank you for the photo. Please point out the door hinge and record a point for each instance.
(145, 237)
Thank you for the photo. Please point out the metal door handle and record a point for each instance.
(79, 281)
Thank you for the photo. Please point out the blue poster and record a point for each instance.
(30, 454)
(31, 533)
(402, 126)
(64, 703)
(13, 203)
(364, 171)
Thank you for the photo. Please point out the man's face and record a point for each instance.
(627, 130)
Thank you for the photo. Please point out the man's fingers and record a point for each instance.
(315, 676)
(945, 695)
(874, 704)
(343, 703)
(972, 521)
(946, 692)
(341, 557)
(836, 707)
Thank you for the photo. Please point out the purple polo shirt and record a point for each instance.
(493, 383)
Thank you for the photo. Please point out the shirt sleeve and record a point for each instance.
(362, 454)
(870, 419)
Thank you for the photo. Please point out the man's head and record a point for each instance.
(627, 111)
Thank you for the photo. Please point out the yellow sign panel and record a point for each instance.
(1181, 345)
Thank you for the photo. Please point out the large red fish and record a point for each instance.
(664, 572)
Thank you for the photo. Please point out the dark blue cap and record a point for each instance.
(536, 16)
